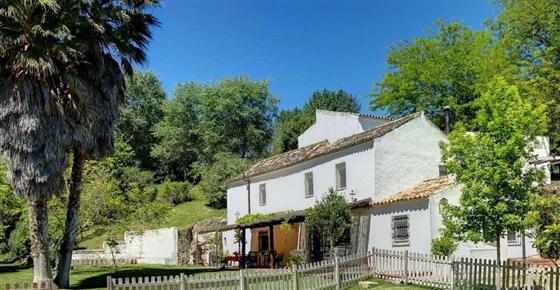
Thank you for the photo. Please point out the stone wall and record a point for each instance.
(199, 242)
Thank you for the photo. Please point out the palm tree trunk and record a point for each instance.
(62, 278)
(38, 231)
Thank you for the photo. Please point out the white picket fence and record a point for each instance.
(27, 286)
(334, 274)
(339, 273)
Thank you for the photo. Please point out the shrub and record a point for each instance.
(443, 246)
(296, 259)
(174, 192)
(19, 241)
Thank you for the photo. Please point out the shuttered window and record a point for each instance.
(401, 233)
(309, 184)
(341, 176)
(262, 194)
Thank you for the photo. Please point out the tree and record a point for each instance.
(142, 109)
(529, 33)
(449, 67)
(213, 176)
(34, 53)
(330, 219)
(178, 132)
(292, 123)
(545, 219)
(491, 166)
(237, 116)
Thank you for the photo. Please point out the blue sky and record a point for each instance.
(299, 46)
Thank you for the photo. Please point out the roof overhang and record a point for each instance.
(290, 217)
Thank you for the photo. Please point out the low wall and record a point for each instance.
(150, 247)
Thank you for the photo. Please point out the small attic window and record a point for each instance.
(443, 170)
(340, 176)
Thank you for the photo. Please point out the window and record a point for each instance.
(262, 194)
(513, 239)
(308, 184)
(263, 241)
(400, 230)
(340, 176)
(443, 170)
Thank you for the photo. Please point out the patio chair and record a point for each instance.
(253, 259)
(279, 260)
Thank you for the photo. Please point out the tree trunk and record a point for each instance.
(62, 279)
(498, 248)
(38, 234)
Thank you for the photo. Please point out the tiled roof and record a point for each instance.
(322, 148)
(376, 117)
(422, 190)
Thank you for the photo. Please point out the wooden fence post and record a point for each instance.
(406, 267)
(337, 271)
(453, 271)
(373, 260)
(109, 283)
(182, 285)
(241, 280)
(295, 283)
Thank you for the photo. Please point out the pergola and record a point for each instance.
(289, 217)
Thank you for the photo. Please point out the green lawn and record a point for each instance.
(181, 215)
(90, 277)
(386, 285)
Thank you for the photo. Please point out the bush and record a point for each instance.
(296, 259)
(174, 192)
(444, 246)
(19, 241)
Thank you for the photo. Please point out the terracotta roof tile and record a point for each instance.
(322, 148)
(422, 190)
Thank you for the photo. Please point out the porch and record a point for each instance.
(273, 240)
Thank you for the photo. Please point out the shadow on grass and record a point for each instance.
(12, 267)
(99, 279)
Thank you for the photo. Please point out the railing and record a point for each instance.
(27, 286)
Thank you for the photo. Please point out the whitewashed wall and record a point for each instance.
(407, 156)
(419, 221)
(335, 125)
(285, 189)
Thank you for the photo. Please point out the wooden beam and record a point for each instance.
(242, 263)
(271, 244)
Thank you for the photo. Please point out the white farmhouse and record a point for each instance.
(389, 170)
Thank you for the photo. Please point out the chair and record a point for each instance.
(279, 260)
(253, 259)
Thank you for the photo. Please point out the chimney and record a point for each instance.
(447, 109)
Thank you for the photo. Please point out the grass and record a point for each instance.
(181, 215)
(95, 277)
(386, 285)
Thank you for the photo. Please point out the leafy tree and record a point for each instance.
(339, 101)
(142, 109)
(174, 192)
(11, 209)
(330, 219)
(213, 176)
(529, 33)
(180, 143)
(292, 123)
(490, 163)
(449, 67)
(545, 219)
(237, 116)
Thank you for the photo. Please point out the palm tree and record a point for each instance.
(112, 28)
(61, 79)
(33, 132)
